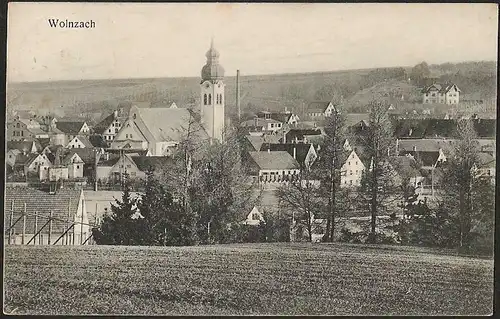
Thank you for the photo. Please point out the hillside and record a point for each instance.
(258, 92)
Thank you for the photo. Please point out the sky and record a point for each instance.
(135, 40)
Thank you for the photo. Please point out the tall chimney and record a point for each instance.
(238, 93)
(295, 153)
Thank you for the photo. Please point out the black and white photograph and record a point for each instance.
(242, 159)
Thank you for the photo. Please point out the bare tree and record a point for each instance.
(301, 196)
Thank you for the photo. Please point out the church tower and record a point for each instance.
(212, 97)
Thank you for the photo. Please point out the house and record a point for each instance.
(438, 93)
(352, 171)
(74, 163)
(79, 141)
(269, 166)
(21, 129)
(72, 128)
(305, 154)
(255, 217)
(262, 125)
(110, 126)
(38, 164)
(320, 109)
(144, 163)
(98, 141)
(113, 169)
(66, 205)
(285, 117)
(295, 135)
(158, 130)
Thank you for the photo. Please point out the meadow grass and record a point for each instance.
(245, 279)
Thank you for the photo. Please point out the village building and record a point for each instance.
(320, 109)
(441, 94)
(259, 126)
(305, 154)
(110, 125)
(352, 171)
(255, 217)
(272, 167)
(66, 206)
(286, 117)
(296, 135)
(80, 141)
(23, 129)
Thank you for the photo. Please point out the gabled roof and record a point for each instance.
(255, 141)
(410, 128)
(70, 127)
(354, 118)
(442, 88)
(44, 142)
(22, 159)
(31, 158)
(40, 202)
(299, 133)
(104, 124)
(427, 158)
(113, 159)
(97, 141)
(85, 141)
(277, 116)
(424, 145)
(166, 124)
(440, 128)
(317, 106)
(274, 160)
(301, 150)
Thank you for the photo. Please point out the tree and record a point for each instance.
(333, 156)
(222, 190)
(120, 228)
(378, 182)
(165, 222)
(419, 72)
(301, 196)
(458, 186)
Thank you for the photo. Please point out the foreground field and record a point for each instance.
(287, 279)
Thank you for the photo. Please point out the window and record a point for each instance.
(116, 130)
(113, 124)
(210, 99)
(73, 146)
(126, 135)
(79, 146)
(77, 166)
(255, 216)
(356, 172)
(17, 125)
(272, 125)
(129, 166)
(130, 135)
(350, 172)
(356, 162)
(109, 131)
(205, 101)
(22, 133)
(349, 163)
(350, 182)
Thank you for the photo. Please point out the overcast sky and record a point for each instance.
(170, 40)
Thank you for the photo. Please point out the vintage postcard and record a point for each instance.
(250, 159)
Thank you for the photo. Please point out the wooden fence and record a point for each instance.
(42, 232)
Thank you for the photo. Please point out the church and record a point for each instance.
(159, 130)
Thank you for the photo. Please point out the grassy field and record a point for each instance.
(286, 279)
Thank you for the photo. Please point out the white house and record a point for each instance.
(441, 94)
(351, 171)
(38, 164)
(74, 163)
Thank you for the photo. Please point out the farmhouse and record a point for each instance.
(66, 205)
(79, 141)
(110, 126)
(351, 171)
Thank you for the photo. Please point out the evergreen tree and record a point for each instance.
(119, 228)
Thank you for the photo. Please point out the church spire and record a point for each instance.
(212, 70)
